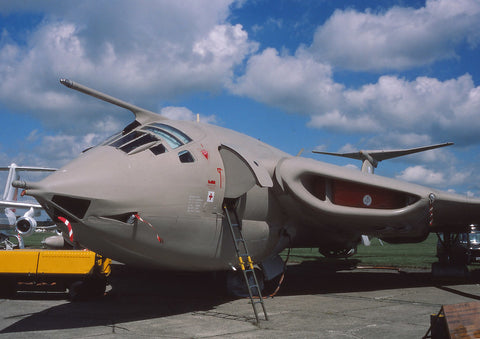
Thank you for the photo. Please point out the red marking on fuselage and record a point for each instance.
(70, 230)
(219, 170)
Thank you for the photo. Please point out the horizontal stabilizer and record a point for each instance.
(28, 168)
(16, 204)
(373, 157)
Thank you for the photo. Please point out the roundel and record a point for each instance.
(367, 200)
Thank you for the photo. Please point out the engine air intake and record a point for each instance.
(75, 206)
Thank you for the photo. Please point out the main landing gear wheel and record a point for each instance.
(341, 253)
(86, 289)
(452, 257)
(7, 287)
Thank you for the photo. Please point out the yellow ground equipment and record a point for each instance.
(83, 273)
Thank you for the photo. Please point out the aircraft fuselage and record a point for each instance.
(178, 193)
(153, 195)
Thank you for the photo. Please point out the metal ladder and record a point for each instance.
(245, 261)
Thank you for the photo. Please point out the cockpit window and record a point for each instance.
(185, 156)
(126, 139)
(159, 149)
(144, 139)
(112, 138)
(171, 140)
(150, 137)
(185, 139)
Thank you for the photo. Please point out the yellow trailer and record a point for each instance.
(83, 273)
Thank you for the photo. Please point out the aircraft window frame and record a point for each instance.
(111, 139)
(127, 138)
(172, 141)
(475, 238)
(155, 136)
(185, 139)
(158, 149)
(144, 139)
(185, 157)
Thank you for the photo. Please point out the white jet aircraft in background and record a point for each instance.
(26, 224)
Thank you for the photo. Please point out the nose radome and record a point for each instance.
(67, 192)
(95, 176)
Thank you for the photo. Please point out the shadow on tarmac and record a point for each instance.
(342, 276)
(140, 294)
(135, 295)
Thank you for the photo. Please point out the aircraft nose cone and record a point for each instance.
(88, 184)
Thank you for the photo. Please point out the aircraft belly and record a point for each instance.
(257, 236)
(194, 248)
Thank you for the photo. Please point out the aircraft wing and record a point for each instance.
(16, 204)
(341, 198)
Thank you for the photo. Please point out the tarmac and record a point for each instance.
(316, 300)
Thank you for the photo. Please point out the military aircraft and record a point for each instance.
(161, 193)
(26, 224)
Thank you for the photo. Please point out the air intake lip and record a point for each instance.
(75, 206)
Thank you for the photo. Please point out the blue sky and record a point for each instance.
(327, 75)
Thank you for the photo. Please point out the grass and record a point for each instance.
(420, 255)
(35, 240)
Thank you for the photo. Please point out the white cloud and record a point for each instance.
(445, 177)
(422, 175)
(407, 139)
(183, 113)
(321, 148)
(159, 51)
(295, 83)
(423, 106)
(396, 110)
(348, 148)
(399, 38)
(52, 150)
(337, 120)
(59, 149)
(421, 110)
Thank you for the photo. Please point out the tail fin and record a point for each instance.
(372, 158)
(10, 193)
